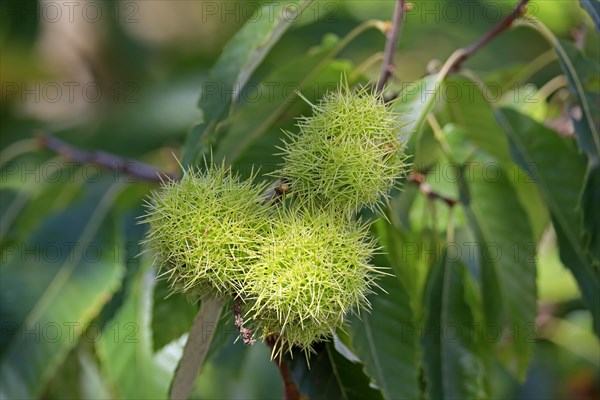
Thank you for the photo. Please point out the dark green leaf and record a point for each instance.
(268, 106)
(172, 315)
(506, 252)
(452, 368)
(403, 252)
(78, 377)
(55, 191)
(330, 376)
(582, 74)
(65, 383)
(240, 57)
(590, 198)
(579, 70)
(385, 340)
(559, 172)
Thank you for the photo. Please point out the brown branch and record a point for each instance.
(492, 33)
(134, 169)
(239, 322)
(419, 179)
(392, 36)
(289, 387)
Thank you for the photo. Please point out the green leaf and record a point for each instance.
(417, 100)
(404, 251)
(311, 74)
(589, 200)
(273, 103)
(559, 172)
(506, 252)
(457, 137)
(125, 348)
(65, 383)
(581, 74)
(172, 315)
(577, 68)
(330, 376)
(240, 57)
(413, 104)
(78, 377)
(471, 110)
(452, 368)
(593, 9)
(385, 340)
(92, 383)
(55, 191)
(528, 100)
(73, 281)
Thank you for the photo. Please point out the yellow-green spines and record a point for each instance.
(312, 271)
(347, 154)
(300, 266)
(204, 230)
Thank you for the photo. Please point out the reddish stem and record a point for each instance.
(419, 179)
(492, 33)
(289, 387)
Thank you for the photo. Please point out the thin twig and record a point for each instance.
(239, 322)
(419, 179)
(491, 34)
(393, 34)
(289, 387)
(134, 169)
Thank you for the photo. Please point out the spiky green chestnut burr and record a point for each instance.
(347, 154)
(313, 270)
(204, 230)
